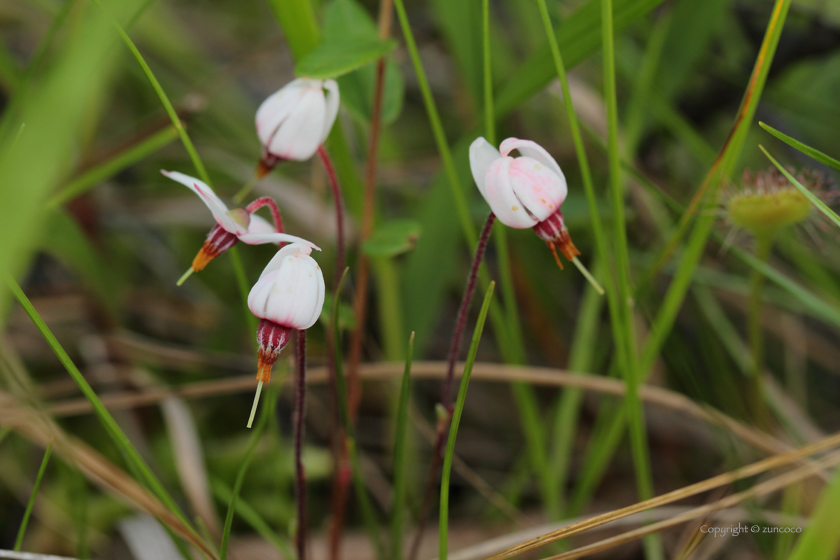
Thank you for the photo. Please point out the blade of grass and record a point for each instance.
(244, 287)
(368, 513)
(400, 440)
(675, 295)
(252, 517)
(821, 206)
(629, 364)
(807, 150)
(511, 347)
(25, 521)
(164, 99)
(129, 453)
(718, 481)
(135, 153)
(265, 414)
(455, 421)
(821, 540)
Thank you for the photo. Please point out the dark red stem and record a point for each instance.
(454, 351)
(339, 212)
(464, 310)
(275, 212)
(299, 416)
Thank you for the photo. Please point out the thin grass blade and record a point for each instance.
(456, 420)
(26, 514)
(400, 475)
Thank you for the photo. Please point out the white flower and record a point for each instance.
(248, 228)
(522, 191)
(295, 120)
(290, 291)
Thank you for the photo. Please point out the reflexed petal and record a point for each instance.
(260, 225)
(300, 135)
(501, 198)
(277, 107)
(206, 194)
(261, 238)
(332, 102)
(533, 151)
(540, 189)
(482, 154)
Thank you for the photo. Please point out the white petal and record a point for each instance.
(539, 188)
(206, 194)
(261, 238)
(277, 107)
(260, 225)
(274, 263)
(300, 134)
(332, 102)
(501, 198)
(291, 293)
(532, 150)
(482, 154)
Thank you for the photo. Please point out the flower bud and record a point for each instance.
(295, 120)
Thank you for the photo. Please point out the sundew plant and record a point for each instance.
(415, 279)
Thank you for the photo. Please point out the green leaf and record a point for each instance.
(333, 59)
(392, 239)
(807, 150)
(346, 20)
(357, 90)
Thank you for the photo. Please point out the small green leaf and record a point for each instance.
(344, 21)
(392, 239)
(333, 59)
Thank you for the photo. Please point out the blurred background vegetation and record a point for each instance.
(97, 237)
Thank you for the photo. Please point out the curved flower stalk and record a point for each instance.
(526, 192)
(288, 296)
(232, 226)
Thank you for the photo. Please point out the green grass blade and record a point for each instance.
(31, 504)
(252, 517)
(130, 454)
(368, 513)
(164, 99)
(807, 150)
(489, 117)
(265, 414)
(138, 152)
(244, 287)
(629, 364)
(457, 190)
(821, 539)
(400, 448)
(456, 420)
(821, 206)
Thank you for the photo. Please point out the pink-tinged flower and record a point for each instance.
(232, 226)
(288, 295)
(524, 192)
(295, 120)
